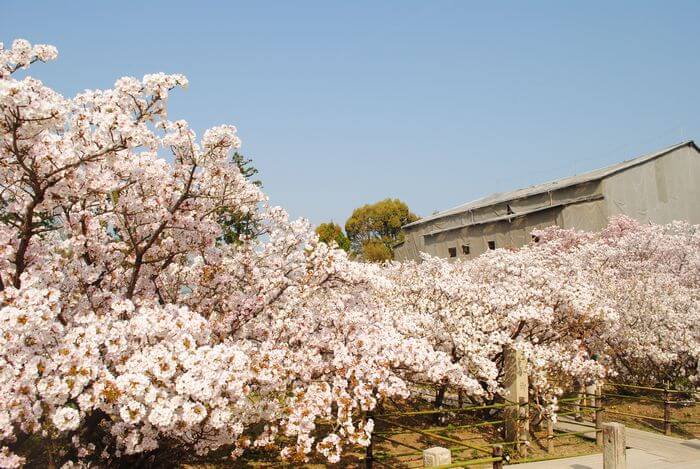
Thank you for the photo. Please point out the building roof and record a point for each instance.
(501, 197)
(512, 216)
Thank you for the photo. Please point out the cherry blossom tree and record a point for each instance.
(650, 276)
(130, 333)
(525, 299)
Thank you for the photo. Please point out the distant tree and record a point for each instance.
(328, 232)
(237, 224)
(376, 251)
(378, 223)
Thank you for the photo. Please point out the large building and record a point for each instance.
(659, 188)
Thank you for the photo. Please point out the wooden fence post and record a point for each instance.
(368, 455)
(667, 411)
(599, 415)
(614, 450)
(497, 452)
(550, 435)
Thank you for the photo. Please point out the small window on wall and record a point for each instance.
(465, 249)
(492, 245)
(452, 251)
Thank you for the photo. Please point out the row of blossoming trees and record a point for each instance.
(131, 334)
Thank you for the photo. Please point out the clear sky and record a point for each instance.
(434, 102)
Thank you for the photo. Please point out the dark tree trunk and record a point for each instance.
(439, 400)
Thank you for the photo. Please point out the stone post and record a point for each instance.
(516, 392)
(436, 456)
(614, 450)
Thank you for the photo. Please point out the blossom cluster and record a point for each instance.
(649, 276)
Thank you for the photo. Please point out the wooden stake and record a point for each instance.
(599, 416)
(497, 453)
(667, 411)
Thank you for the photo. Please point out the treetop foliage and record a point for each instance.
(380, 222)
(332, 232)
(238, 224)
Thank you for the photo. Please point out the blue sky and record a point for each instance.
(434, 102)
